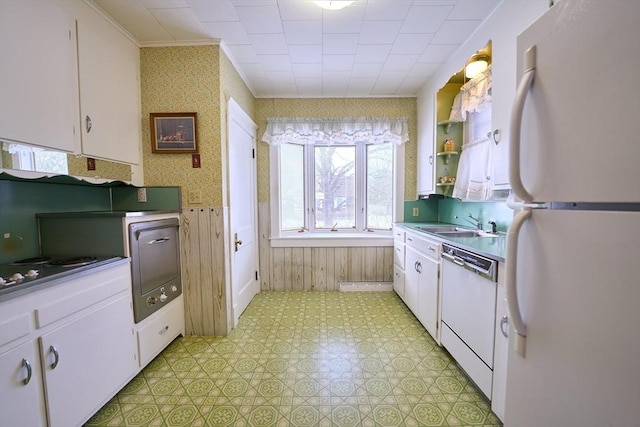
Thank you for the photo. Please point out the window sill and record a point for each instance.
(334, 240)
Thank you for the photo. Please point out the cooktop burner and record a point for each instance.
(73, 261)
(34, 260)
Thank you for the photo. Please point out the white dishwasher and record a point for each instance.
(469, 286)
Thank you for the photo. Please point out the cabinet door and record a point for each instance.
(109, 67)
(428, 295)
(501, 351)
(398, 281)
(95, 357)
(426, 146)
(20, 404)
(411, 279)
(38, 75)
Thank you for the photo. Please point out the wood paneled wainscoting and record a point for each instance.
(318, 269)
(203, 271)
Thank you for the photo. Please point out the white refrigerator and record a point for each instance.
(573, 250)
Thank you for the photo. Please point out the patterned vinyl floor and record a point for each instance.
(305, 359)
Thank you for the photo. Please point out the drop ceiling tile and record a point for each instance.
(454, 32)
(303, 32)
(305, 54)
(163, 4)
(388, 83)
(180, 23)
(304, 71)
(472, 9)
(243, 54)
(366, 70)
(411, 85)
(438, 52)
(335, 83)
(136, 19)
(423, 70)
(372, 53)
(411, 43)
(379, 32)
(340, 43)
(425, 19)
(400, 63)
(274, 63)
(337, 62)
(296, 10)
(260, 19)
(231, 32)
(308, 86)
(268, 44)
(218, 11)
(361, 85)
(253, 2)
(344, 21)
(385, 10)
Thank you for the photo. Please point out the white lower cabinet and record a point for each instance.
(87, 361)
(422, 281)
(77, 338)
(21, 400)
(159, 329)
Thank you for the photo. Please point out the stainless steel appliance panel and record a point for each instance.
(155, 261)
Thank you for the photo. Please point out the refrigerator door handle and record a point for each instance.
(526, 81)
(519, 327)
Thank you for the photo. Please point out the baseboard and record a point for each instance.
(365, 286)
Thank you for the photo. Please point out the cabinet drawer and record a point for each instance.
(14, 328)
(398, 254)
(430, 248)
(398, 280)
(110, 282)
(159, 330)
(398, 234)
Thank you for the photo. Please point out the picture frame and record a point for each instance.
(173, 133)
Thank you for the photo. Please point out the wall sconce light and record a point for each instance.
(476, 65)
(334, 4)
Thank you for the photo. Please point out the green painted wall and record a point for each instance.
(454, 211)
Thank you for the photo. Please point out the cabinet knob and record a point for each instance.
(504, 325)
(88, 123)
(431, 160)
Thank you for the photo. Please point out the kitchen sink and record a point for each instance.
(461, 233)
(441, 228)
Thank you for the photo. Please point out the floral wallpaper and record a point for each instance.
(104, 169)
(336, 107)
(184, 79)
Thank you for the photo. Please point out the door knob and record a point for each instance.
(237, 242)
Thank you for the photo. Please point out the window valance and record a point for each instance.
(336, 131)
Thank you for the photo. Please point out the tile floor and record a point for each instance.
(305, 359)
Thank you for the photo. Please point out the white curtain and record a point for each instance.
(474, 95)
(476, 160)
(336, 131)
(472, 181)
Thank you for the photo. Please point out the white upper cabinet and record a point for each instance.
(426, 145)
(38, 75)
(64, 65)
(109, 69)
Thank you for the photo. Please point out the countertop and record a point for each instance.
(96, 214)
(491, 247)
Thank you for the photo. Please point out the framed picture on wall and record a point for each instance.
(173, 133)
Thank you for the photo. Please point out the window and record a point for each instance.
(28, 158)
(328, 189)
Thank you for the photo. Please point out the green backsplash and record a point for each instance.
(20, 201)
(453, 211)
(427, 210)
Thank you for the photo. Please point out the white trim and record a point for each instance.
(397, 214)
(182, 43)
(345, 240)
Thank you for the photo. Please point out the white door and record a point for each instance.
(243, 225)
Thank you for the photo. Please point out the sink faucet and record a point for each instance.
(475, 221)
